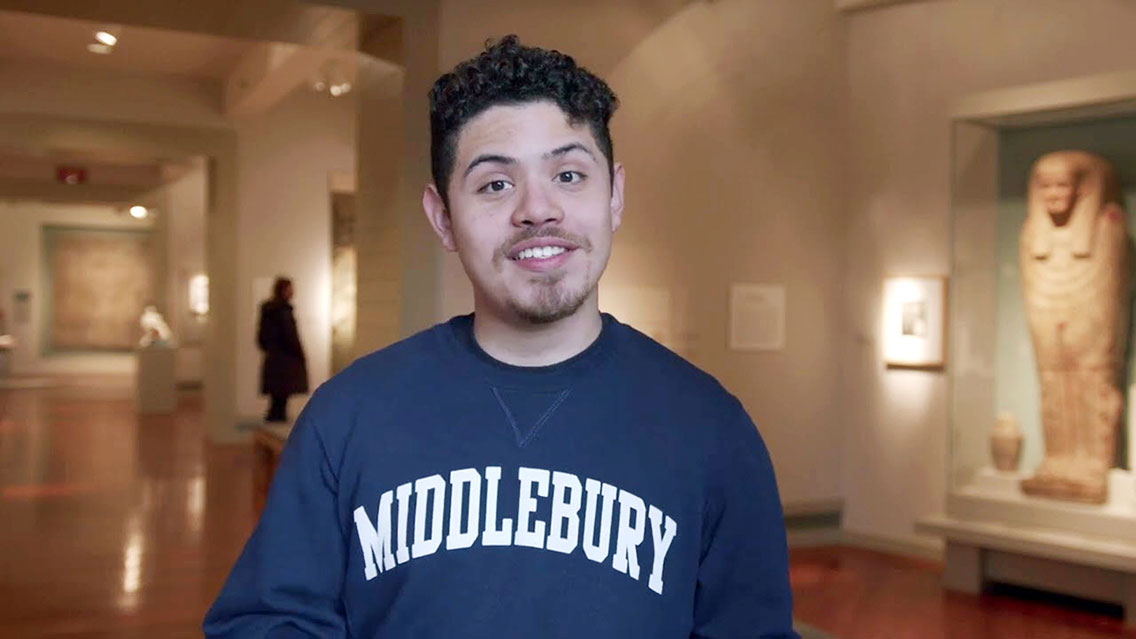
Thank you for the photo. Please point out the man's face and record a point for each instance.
(532, 211)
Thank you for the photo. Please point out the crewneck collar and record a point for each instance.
(457, 334)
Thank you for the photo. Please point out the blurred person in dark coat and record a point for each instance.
(285, 371)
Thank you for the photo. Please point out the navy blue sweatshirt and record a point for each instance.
(431, 491)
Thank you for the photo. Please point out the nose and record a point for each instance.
(536, 207)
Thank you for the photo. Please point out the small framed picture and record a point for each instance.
(914, 322)
(757, 317)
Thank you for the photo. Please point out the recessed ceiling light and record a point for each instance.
(106, 38)
(138, 212)
(99, 48)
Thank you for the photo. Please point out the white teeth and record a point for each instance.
(540, 252)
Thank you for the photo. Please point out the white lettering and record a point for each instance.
(494, 535)
(376, 544)
(403, 494)
(425, 489)
(459, 479)
(563, 531)
(526, 506)
(564, 510)
(630, 535)
(662, 544)
(596, 550)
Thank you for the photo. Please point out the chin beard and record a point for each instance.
(552, 304)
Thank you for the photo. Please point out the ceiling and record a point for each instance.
(30, 37)
(108, 180)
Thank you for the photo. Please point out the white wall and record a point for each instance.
(730, 116)
(907, 65)
(284, 158)
(182, 207)
(21, 269)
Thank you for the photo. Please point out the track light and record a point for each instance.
(107, 38)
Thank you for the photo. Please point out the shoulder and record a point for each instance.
(697, 407)
(271, 307)
(663, 370)
(398, 363)
(372, 384)
(654, 374)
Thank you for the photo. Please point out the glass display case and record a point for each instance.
(996, 523)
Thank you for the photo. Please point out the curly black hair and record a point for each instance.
(508, 72)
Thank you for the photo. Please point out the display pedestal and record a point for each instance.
(6, 346)
(155, 385)
(981, 552)
(994, 533)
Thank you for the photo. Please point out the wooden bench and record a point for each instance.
(268, 442)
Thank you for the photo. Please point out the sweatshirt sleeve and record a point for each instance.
(743, 576)
(287, 581)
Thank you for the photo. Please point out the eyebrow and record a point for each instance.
(572, 146)
(484, 158)
(504, 159)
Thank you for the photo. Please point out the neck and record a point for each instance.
(521, 343)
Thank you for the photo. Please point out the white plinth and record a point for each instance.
(155, 381)
(980, 551)
(997, 496)
(994, 532)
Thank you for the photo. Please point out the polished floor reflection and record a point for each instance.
(860, 594)
(114, 525)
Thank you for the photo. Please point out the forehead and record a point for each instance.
(520, 130)
(1055, 169)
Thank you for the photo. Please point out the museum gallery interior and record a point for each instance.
(899, 231)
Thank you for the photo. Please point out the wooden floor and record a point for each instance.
(116, 526)
(860, 594)
(111, 525)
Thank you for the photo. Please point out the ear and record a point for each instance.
(438, 216)
(617, 196)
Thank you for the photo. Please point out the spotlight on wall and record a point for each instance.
(139, 212)
(199, 295)
(99, 48)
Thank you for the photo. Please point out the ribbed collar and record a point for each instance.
(458, 341)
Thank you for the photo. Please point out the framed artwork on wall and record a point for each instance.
(757, 317)
(914, 322)
(96, 282)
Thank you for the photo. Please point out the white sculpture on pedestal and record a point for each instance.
(155, 331)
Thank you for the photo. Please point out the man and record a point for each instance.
(285, 370)
(535, 469)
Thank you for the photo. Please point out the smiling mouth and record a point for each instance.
(539, 253)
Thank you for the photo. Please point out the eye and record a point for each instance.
(569, 177)
(496, 186)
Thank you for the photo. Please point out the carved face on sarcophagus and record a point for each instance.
(1073, 257)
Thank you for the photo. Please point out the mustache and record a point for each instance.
(546, 232)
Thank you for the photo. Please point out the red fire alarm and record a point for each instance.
(71, 175)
